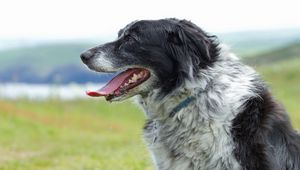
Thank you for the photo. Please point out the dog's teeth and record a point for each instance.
(130, 81)
(134, 77)
(140, 75)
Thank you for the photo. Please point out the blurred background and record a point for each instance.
(47, 121)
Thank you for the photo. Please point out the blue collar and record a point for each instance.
(182, 105)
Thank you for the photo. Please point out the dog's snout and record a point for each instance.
(86, 56)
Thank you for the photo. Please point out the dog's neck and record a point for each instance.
(168, 106)
(227, 83)
(220, 88)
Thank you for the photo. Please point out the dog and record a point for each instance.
(204, 108)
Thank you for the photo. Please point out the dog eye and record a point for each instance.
(127, 40)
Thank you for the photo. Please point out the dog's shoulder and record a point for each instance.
(263, 136)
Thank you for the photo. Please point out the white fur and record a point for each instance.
(102, 61)
(198, 136)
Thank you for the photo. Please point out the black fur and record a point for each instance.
(264, 137)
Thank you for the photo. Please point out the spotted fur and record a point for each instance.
(233, 123)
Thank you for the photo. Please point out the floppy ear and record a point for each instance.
(192, 47)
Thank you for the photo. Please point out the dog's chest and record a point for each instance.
(198, 146)
(196, 137)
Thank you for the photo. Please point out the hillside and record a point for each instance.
(43, 57)
(48, 63)
(288, 52)
(251, 43)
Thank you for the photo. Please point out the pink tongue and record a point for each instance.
(112, 85)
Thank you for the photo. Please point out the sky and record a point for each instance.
(76, 19)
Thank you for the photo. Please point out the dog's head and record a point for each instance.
(151, 54)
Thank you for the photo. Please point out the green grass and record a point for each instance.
(73, 135)
(94, 134)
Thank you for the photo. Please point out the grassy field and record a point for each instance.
(83, 135)
(93, 134)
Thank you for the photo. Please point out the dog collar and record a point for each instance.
(182, 105)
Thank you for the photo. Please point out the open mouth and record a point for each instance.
(122, 83)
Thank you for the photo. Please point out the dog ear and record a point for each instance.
(198, 42)
(178, 52)
(191, 47)
(175, 38)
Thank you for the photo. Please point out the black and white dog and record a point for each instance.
(205, 109)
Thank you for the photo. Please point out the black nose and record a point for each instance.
(86, 56)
